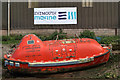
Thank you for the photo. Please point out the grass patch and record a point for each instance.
(15, 39)
(109, 39)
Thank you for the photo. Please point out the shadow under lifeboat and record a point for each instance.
(34, 55)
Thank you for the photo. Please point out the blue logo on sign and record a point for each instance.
(65, 15)
(62, 15)
(71, 15)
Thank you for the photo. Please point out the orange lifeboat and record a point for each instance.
(34, 55)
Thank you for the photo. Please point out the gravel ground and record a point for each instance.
(109, 70)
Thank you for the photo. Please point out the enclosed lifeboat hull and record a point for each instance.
(33, 55)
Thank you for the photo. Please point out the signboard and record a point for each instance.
(65, 15)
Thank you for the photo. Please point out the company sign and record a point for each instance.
(66, 15)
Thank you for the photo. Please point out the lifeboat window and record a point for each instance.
(30, 42)
(72, 41)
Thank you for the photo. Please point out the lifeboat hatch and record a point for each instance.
(56, 52)
(71, 51)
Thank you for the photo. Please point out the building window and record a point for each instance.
(87, 3)
(32, 4)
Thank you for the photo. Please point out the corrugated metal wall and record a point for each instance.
(101, 15)
(119, 16)
(4, 15)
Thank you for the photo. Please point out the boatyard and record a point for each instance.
(60, 40)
